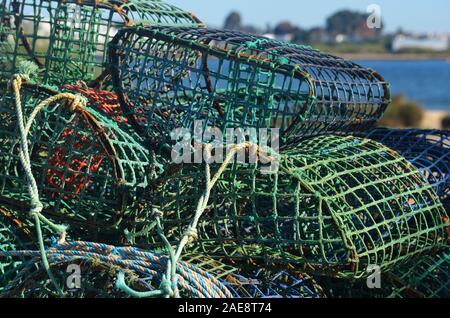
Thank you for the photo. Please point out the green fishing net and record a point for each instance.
(428, 277)
(336, 205)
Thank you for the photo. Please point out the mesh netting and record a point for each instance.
(100, 266)
(14, 235)
(429, 277)
(87, 169)
(68, 38)
(337, 204)
(259, 283)
(170, 77)
(428, 150)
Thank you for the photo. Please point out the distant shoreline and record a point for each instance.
(392, 57)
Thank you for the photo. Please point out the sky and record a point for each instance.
(414, 15)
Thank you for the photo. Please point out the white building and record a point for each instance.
(430, 42)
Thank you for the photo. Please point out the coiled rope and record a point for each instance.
(144, 264)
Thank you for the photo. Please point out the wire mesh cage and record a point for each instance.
(68, 38)
(255, 282)
(99, 266)
(428, 150)
(336, 204)
(170, 77)
(14, 234)
(88, 171)
(429, 277)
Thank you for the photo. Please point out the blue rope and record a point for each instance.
(145, 264)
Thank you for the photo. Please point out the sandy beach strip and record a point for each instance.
(433, 119)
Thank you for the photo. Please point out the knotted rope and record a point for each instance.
(169, 286)
(74, 102)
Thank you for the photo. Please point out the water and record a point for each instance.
(427, 82)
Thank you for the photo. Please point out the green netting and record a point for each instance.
(429, 277)
(169, 77)
(337, 205)
(428, 150)
(88, 171)
(68, 38)
(14, 234)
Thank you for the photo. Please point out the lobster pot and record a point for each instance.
(250, 282)
(429, 277)
(14, 234)
(68, 38)
(100, 265)
(428, 150)
(170, 77)
(88, 171)
(336, 204)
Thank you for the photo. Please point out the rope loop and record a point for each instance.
(166, 287)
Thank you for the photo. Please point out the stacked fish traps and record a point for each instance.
(68, 39)
(88, 112)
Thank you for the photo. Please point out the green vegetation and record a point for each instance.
(342, 48)
(349, 23)
(403, 113)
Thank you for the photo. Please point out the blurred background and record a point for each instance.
(410, 46)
